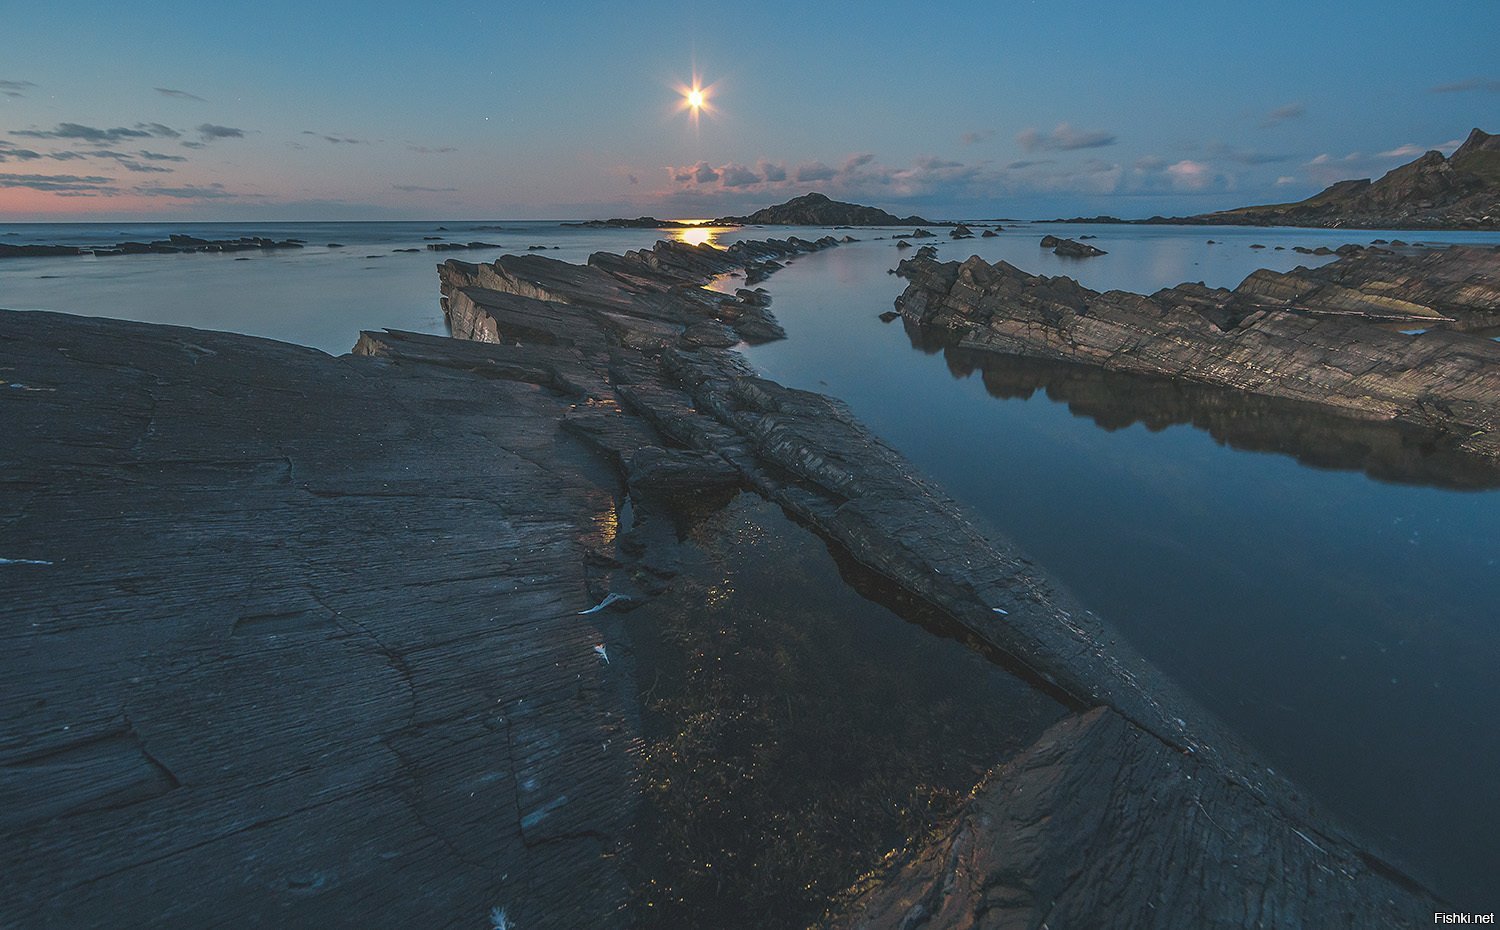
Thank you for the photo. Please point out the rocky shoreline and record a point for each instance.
(172, 245)
(396, 570)
(1374, 335)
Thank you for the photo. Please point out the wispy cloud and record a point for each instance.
(427, 150)
(336, 140)
(15, 88)
(424, 190)
(1283, 113)
(1063, 138)
(97, 136)
(62, 183)
(9, 151)
(976, 137)
(178, 94)
(1403, 151)
(209, 132)
(187, 192)
(1485, 85)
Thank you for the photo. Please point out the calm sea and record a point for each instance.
(1329, 591)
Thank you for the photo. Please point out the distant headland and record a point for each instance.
(1461, 191)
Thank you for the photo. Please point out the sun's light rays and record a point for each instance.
(695, 99)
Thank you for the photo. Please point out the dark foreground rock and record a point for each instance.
(298, 642)
(1326, 336)
(817, 210)
(1055, 838)
(310, 641)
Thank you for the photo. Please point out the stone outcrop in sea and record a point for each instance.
(1374, 335)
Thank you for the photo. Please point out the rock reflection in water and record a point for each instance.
(1248, 422)
(797, 732)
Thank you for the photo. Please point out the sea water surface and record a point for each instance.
(1328, 590)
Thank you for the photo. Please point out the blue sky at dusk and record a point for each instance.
(459, 110)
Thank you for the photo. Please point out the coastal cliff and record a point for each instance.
(1461, 191)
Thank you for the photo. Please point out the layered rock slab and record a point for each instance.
(1327, 336)
(297, 641)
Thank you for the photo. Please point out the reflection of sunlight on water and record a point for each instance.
(698, 235)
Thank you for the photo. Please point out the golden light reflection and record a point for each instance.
(699, 235)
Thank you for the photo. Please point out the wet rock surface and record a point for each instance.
(808, 454)
(1328, 336)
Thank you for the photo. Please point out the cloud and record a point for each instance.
(62, 183)
(974, 138)
(1403, 151)
(1486, 85)
(771, 171)
(15, 88)
(432, 151)
(179, 94)
(336, 140)
(1284, 180)
(1190, 175)
(732, 175)
(9, 151)
(187, 192)
(157, 156)
(1063, 138)
(189, 144)
(814, 171)
(208, 132)
(1283, 113)
(98, 136)
(157, 129)
(632, 179)
(424, 190)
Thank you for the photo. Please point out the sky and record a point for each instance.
(425, 110)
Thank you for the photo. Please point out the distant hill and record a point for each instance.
(817, 210)
(1461, 191)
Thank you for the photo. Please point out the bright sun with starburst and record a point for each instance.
(694, 98)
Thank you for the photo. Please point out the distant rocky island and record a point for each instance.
(640, 222)
(816, 209)
(1461, 191)
(812, 209)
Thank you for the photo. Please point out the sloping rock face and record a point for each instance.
(1461, 191)
(817, 210)
(1326, 336)
(807, 453)
(1058, 838)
